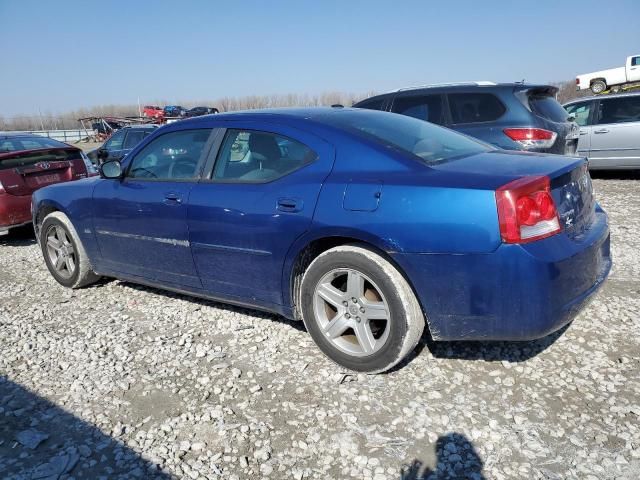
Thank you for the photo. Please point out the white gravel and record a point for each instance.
(123, 381)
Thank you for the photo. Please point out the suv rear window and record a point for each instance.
(475, 107)
(547, 107)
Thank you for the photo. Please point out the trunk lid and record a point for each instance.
(571, 186)
(24, 171)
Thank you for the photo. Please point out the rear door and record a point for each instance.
(615, 141)
(583, 113)
(429, 108)
(257, 199)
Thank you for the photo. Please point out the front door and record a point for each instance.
(615, 141)
(259, 197)
(582, 111)
(140, 220)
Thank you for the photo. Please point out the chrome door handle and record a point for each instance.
(602, 130)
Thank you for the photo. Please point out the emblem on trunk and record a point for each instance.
(43, 165)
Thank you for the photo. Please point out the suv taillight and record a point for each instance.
(531, 137)
(526, 210)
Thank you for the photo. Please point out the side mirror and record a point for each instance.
(571, 117)
(103, 154)
(111, 169)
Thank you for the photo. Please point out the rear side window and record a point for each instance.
(422, 107)
(249, 156)
(547, 107)
(374, 104)
(620, 110)
(475, 107)
(581, 111)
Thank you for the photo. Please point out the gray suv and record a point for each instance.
(609, 130)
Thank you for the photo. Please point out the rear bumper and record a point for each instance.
(15, 210)
(518, 292)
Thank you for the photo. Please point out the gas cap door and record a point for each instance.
(362, 197)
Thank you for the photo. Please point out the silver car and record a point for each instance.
(609, 130)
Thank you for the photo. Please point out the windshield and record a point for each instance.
(12, 144)
(430, 143)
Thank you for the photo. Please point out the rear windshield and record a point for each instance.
(28, 159)
(548, 107)
(11, 144)
(430, 143)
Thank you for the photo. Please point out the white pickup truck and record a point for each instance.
(598, 82)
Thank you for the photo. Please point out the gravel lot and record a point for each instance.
(122, 381)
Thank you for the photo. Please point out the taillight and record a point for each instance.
(526, 210)
(1, 188)
(531, 137)
(577, 81)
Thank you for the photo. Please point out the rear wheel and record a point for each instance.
(359, 309)
(598, 86)
(63, 252)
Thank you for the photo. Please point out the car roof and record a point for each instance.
(599, 97)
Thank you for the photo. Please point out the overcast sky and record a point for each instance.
(62, 55)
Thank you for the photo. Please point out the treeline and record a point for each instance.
(225, 104)
(567, 91)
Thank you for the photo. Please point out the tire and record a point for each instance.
(374, 332)
(74, 271)
(598, 86)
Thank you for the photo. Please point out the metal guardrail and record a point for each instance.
(71, 135)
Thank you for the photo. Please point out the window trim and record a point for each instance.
(450, 111)
(199, 166)
(214, 157)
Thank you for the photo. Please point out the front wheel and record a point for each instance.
(359, 309)
(598, 86)
(64, 253)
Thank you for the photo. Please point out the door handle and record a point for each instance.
(290, 205)
(602, 130)
(172, 199)
(584, 132)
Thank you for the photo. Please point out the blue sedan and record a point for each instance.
(368, 226)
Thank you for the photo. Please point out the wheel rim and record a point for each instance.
(60, 251)
(352, 312)
(598, 87)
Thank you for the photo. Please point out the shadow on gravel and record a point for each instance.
(456, 458)
(219, 305)
(39, 440)
(19, 237)
(615, 174)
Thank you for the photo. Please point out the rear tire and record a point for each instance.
(359, 309)
(598, 86)
(64, 253)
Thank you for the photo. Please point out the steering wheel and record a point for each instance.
(182, 162)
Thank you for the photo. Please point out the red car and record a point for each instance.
(153, 111)
(29, 162)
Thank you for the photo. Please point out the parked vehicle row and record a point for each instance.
(30, 162)
(368, 226)
(154, 111)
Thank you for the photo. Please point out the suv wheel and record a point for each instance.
(598, 86)
(359, 309)
(63, 252)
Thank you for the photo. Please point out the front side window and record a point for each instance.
(115, 142)
(423, 107)
(620, 110)
(581, 111)
(475, 107)
(254, 157)
(635, 61)
(172, 156)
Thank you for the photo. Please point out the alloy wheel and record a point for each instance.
(61, 253)
(352, 312)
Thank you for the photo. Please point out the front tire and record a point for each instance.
(64, 253)
(359, 309)
(598, 86)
